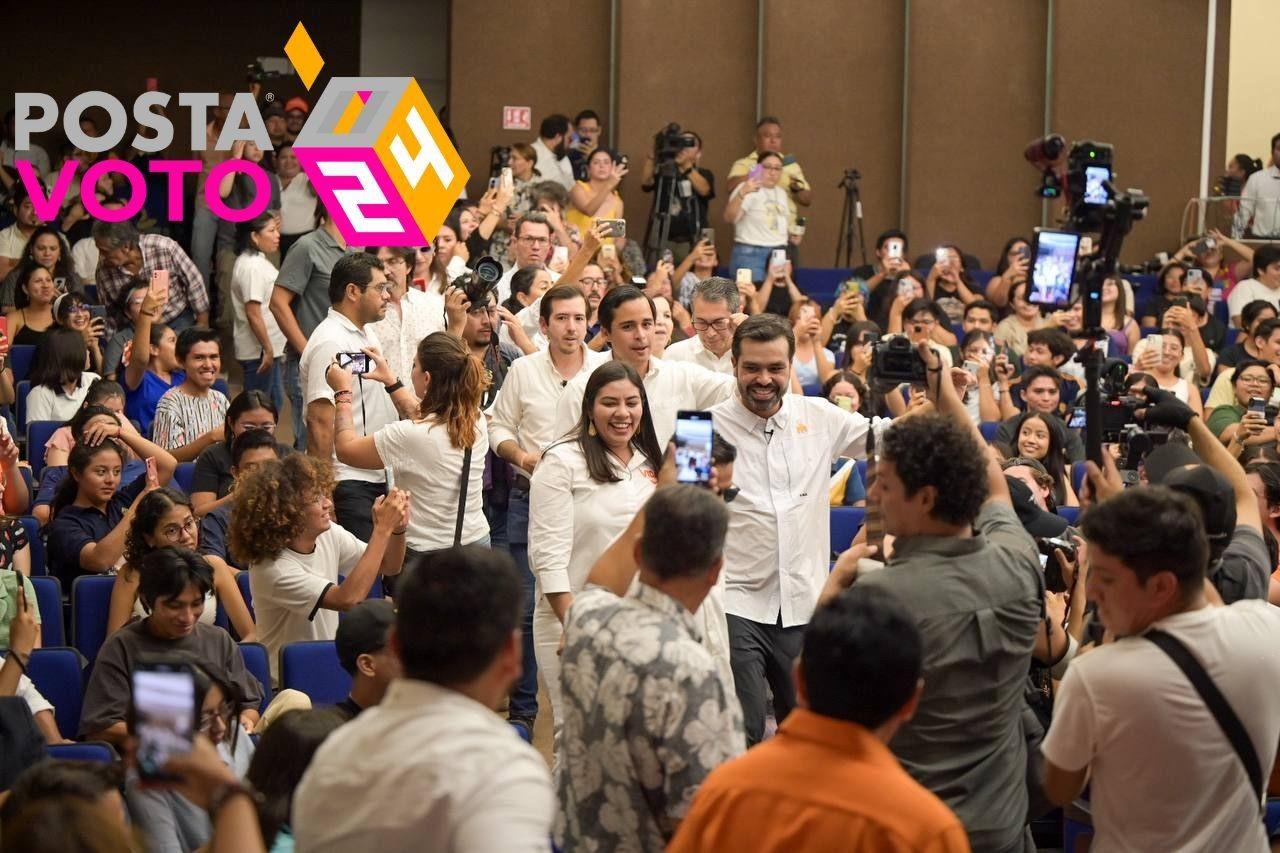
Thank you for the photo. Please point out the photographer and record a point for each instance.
(922, 320)
(585, 141)
(694, 189)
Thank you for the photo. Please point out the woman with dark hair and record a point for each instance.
(949, 283)
(1039, 437)
(585, 491)
(46, 248)
(431, 454)
(151, 365)
(1013, 267)
(527, 286)
(758, 210)
(104, 397)
(71, 311)
(1165, 367)
(1012, 331)
(91, 510)
(597, 197)
(123, 313)
(32, 314)
(1264, 479)
(283, 755)
(59, 381)
(164, 518)
(211, 485)
(1169, 283)
(1234, 424)
(259, 343)
(1209, 252)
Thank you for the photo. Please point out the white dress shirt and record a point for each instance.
(407, 322)
(670, 387)
(426, 769)
(691, 350)
(525, 410)
(371, 407)
(778, 551)
(1247, 291)
(1260, 202)
(552, 168)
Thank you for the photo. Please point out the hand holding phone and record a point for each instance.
(356, 362)
(778, 259)
(163, 714)
(693, 439)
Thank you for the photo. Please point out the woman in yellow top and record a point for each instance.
(597, 197)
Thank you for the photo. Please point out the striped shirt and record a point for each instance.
(186, 285)
(181, 418)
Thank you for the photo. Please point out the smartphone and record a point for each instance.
(1195, 274)
(756, 173)
(160, 280)
(941, 256)
(972, 367)
(357, 362)
(560, 254)
(1258, 406)
(845, 403)
(693, 437)
(60, 284)
(608, 251)
(708, 234)
(1203, 247)
(906, 287)
(493, 183)
(895, 249)
(744, 276)
(1179, 301)
(1054, 268)
(152, 474)
(162, 714)
(1077, 419)
(617, 227)
(667, 257)
(1155, 343)
(778, 258)
(507, 179)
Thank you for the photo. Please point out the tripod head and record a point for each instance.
(849, 181)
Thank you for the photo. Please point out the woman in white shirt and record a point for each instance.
(427, 455)
(758, 212)
(59, 381)
(259, 342)
(585, 490)
(1166, 368)
(297, 199)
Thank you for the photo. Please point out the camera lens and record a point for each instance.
(488, 269)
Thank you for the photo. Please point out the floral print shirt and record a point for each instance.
(648, 715)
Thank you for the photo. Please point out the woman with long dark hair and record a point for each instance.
(32, 314)
(586, 488)
(212, 482)
(46, 248)
(282, 756)
(259, 343)
(59, 381)
(1039, 437)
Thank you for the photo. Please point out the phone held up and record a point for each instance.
(694, 437)
(615, 227)
(358, 363)
(163, 714)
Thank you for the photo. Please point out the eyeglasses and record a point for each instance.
(720, 325)
(591, 282)
(772, 168)
(208, 718)
(381, 288)
(536, 241)
(174, 532)
(1255, 380)
(482, 309)
(397, 261)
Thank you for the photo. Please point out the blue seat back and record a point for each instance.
(93, 750)
(20, 405)
(90, 603)
(49, 600)
(38, 434)
(1070, 513)
(21, 357)
(57, 674)
(312, 667)
(845, 523)
(184, 476)
(989, 429)
(39, 566)
(1078, 472)
(256, 661)
(242, 581)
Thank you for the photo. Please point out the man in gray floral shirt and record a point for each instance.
(648, 713)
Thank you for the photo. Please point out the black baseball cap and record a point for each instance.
(1036, 521)
(364, 631)
(1213, 493)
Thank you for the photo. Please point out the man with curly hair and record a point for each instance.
(281, 527)
(967, 570)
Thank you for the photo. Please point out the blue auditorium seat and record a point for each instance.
(312, 667)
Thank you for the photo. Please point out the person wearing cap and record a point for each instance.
(277, 127)
(295, 116)
(362, 643)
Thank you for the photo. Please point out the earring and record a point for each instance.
(591, 429)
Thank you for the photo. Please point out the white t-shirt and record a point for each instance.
(298, 206)
(1163, 776)
(252, 280)
(287, 591)
(84, 257)
(12, 242)
(45, 404)
(429, 468)
(764, 217)
(1249, 290)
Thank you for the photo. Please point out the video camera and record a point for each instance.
(268, 68)
(894, 360)
(670, 141)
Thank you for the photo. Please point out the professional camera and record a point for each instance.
(670, 141)
(268, 68)
(894, 360)
(479, 282)
(1053, 580)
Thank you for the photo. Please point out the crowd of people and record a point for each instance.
(479, 510)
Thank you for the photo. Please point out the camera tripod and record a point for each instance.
(850, 220)
(665, 184)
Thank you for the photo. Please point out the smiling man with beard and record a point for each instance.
(779, 545)
(191, 417)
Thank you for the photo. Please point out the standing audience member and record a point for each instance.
(649, 712)
(552, 147)
(687, 200)
(191, 417)
(377, 782)
(857, 683)
(758, 212)
(715, 315)
(124, 254)
(281, 527)
(297, 199)
(259, 343)
(768, 140)
(412, 314)
(363, 643)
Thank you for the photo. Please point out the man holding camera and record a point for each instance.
(688, 198)
(586, 130)
(769, 141)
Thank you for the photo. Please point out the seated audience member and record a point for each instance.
(14, 494)
(1013, 268)
(164, 519)
(59, 381)
(281, 527)
(1040, 437)
(21, 636)
(1012, 331)
(812, 363)
(1117, 316)
(151, 365)
(46, 248)
(91, 509)
(922, 320)
(363, 643)
(1244, 347)
(979, 315)
(172, 586)
(699, 265)
(65, 825)
(211, 485)
(1266, 343)
(949, 283)
(71, 311)
(165, 817)
(837, 739)
(103, 393)
(1170, 282)
(124, 254)
(986, 396)
(937, 487)
(1041, 393)
(248, 450)
(124, 313)
(191, 417)
(32, 314)
(1233, 423)
(92, 420)
(642, 730)
(1264, 285)
(284, 753)
(846, 313)
(890, 260)
(375, 783)
(94, 783)
(1161, 773)
(1050, 347)
(1165, 367)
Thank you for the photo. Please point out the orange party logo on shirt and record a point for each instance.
(801, 429)
(649, 475)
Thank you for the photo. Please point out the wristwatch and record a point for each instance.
(223, 793)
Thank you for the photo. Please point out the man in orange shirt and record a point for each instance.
(827, 780)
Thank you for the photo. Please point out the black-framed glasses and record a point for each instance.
(720, 325)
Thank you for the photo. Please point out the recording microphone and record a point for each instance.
(768, 434)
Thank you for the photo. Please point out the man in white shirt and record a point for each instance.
(9, 156)
(552, 148)
(520, 428)
(1259, 212)
(432, 766)
(715, 316)
(1163, 774)
(779, 547)
(358, 297)
(530, 243)
(412, 314)
(626, 321)
(13, 240)
(1264, 285)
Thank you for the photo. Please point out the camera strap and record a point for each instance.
(1218, 705)
(462, 496)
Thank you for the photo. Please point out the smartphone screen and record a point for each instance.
(1054, 268)
(778, 258)
(906, 287)
(163, 714)
(756, 173)
(693, 447)
(1094, 190)
(744, 276)
(895, 248)
(356, 362)
(1077, 419)
(940, 256)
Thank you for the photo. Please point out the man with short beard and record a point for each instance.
(778, 552)
(552, 146)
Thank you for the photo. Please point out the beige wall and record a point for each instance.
(1253, 99)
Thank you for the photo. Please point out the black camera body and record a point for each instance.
(1053, 580)
(894, 360)
(670, 141)
(479, 282)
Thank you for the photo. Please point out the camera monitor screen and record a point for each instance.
(1054, 268)
(1094, 190)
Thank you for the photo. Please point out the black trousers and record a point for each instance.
(761, 657)
(353, 505)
